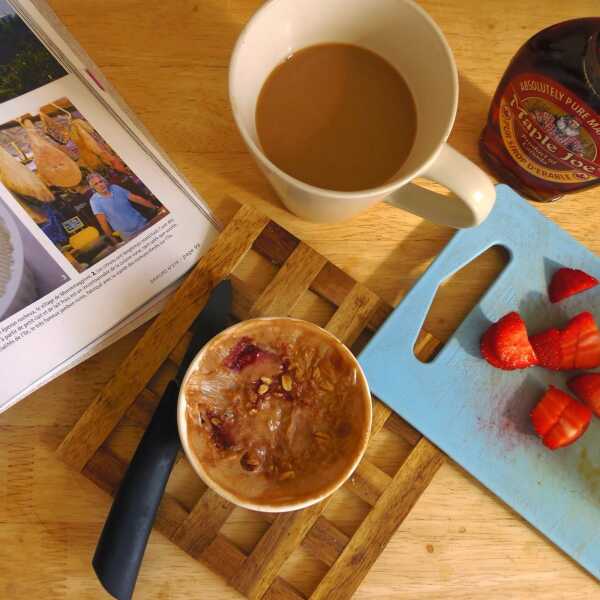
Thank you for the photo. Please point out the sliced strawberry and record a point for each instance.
(580, 343)
(559, 419)
(587, 388)
(546, 346)
(571, 425)
(511, 342)
(507, 343)
(487, 348)
(568, 282)
(548, 410)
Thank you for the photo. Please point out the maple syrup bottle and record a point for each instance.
(543, 131)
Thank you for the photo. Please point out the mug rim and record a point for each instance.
(196, 463)
(382, 190)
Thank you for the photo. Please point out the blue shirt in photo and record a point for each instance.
(118, 210)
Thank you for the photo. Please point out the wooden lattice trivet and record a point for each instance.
(129, 399)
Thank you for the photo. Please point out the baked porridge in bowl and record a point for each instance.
(274, 414)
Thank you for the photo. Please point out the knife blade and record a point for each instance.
(123, 540)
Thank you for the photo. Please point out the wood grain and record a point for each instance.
(353, 314)
(391, 509)
(282, 538)
(291, 281)
(369, 482)
(160, 339)
(224, 558)
(169, 61)
(203, 524)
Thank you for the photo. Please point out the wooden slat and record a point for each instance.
(380, 415)
(203, 524)
(160, 338)
(291, 281)
(275, 243)
(225, 559)
(368, 482)
(374, 532)
(141, 411)
(281, 539)
(325, 541)
(400, 427)
(107, 471)
(333, 284)
(282, 590)
(180, 349)
(353, 314)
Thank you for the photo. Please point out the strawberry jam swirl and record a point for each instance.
(276, 409)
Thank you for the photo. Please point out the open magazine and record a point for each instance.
(96, 225)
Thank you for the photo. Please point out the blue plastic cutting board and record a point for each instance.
(478, 415)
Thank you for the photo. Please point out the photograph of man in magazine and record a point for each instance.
(73, 185)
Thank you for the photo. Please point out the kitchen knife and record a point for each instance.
(123, 540)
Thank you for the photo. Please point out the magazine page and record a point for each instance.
(92, 228)
(40, 18)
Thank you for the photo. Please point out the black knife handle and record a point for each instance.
(123, 540)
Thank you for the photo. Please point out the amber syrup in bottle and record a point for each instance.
(542, 136)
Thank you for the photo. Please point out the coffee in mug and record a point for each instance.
(336, 116)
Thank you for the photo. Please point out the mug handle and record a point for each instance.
(470, 203)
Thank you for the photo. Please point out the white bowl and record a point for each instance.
(202, 472)
(20, 290)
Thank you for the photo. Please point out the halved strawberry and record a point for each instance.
(580, 343)
(559, 419)
(505, 344)
(587, 388)
(487, 349)
(568, 282)
(546, 346)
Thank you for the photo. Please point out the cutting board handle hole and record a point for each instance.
(462, 291)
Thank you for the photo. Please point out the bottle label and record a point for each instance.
(549, 131)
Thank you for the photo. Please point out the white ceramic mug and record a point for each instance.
(406, 36)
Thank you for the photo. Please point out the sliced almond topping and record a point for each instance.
(263, 389)
(286, 382)
(216, 422)
(266, 380)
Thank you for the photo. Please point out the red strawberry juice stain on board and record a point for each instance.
(508, 422)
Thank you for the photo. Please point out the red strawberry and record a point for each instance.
(505, 344)
(559, 419)
(580, 343)
(587, 388)
(487, 349)
(568, 282)
(546, 346)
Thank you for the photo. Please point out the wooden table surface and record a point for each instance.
(169, 61)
